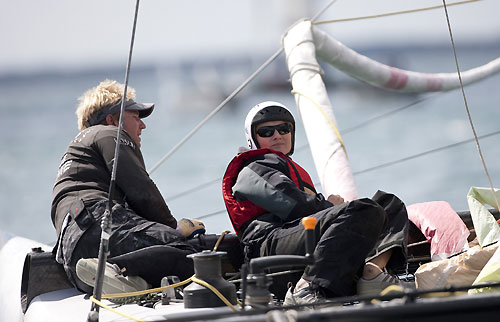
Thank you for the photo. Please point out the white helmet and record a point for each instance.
(264, 112)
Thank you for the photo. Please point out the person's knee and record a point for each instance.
(388, 200)
(367, 211)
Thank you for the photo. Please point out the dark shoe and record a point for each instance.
(381, 282)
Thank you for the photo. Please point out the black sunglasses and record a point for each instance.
(268, 131)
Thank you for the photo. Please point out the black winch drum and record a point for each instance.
(207, 267)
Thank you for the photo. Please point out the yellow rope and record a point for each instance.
(159, 289)
(192, 278)
(391, 13)
(109, 308)
(153, 290)
(220, 239)
(334, 127)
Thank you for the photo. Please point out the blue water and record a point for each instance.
(38, 120)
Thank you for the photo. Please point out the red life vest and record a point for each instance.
(242, 211)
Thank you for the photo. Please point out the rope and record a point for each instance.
(144, 292)
(220, 239)
(467, 107)
(216, 292)
(391, 13)
(109, 308)
(329, 120)
(159, 289)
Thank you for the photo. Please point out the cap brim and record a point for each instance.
(145, 109)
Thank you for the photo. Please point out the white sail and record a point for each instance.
(333, 52)
(302, 44)
(317, 114)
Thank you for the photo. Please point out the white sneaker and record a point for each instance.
(113, 282)
(303, 296)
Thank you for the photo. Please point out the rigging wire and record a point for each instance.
(212, 214)
(384, 165)
(217, 109)
(198, 187)
(391, 13)
(320, 12)
(390, 113)
(230, 97)
(107, 218)
(467, 106)
(344, 131)
(369, 121)
(449, 146)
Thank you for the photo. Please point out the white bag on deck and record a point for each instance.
(460, 270)
(490, 273)
(486, 226)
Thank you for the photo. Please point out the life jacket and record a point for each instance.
(241, 212)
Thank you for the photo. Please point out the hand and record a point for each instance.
(335, 199)
(190, 227)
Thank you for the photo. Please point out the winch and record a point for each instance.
(207, 267)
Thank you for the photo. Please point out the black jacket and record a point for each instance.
(85, 174)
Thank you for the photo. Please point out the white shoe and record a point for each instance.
(305, 295)
(113, 282)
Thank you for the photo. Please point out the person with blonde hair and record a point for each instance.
(142, 224)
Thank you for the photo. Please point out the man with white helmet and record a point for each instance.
(266, 195)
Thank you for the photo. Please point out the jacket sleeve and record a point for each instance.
(266, 183)
(141, 193)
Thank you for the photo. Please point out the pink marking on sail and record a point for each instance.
(433, 83)
(398, 79)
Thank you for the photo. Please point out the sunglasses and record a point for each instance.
(268, 131)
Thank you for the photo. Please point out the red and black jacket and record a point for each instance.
(269, 166)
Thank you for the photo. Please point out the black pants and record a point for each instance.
(147, 249)
(347, 236)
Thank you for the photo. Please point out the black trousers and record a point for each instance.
(347, 236)
(147, 249)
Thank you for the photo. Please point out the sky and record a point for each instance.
(51, 35)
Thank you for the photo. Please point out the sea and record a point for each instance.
(419, 153)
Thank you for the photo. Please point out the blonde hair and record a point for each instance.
(107, 93)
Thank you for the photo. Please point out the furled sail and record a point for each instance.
(333, 52)
(317, 114)
(302, 44)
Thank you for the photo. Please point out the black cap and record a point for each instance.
(145, 109)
